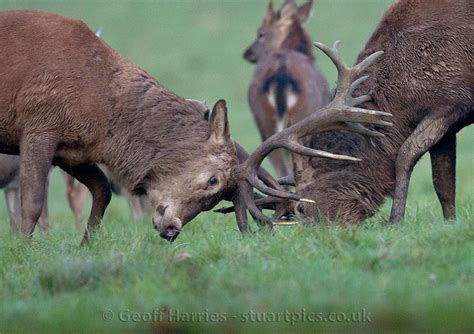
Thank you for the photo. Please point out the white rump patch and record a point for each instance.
(271, 96)
(291, 98)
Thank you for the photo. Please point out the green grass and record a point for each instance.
(417, 276)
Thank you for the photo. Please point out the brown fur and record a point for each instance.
(71, 100)
(285, 71)
(425, 80)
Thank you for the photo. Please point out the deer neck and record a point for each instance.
(299, 40)
(150, 128)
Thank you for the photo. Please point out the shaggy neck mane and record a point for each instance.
(153, 132)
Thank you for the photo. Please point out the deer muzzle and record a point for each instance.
(168, 225)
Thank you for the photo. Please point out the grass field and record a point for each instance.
(417, 276)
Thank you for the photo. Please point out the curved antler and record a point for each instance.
(336, 115)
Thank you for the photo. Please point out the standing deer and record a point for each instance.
(286, 85)
(426, 80)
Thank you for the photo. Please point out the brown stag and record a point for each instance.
(71, 100)
(286, 85)
(426, 80)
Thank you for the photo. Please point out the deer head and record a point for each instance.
(282, 30)
(199, 178)
(341, 113)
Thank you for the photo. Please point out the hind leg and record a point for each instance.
(443, 166)
(36, 154)
(94, 179)
(281, 162)
(428, 132)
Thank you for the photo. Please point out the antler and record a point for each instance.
(334, 116)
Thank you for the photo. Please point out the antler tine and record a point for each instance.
(346, 75)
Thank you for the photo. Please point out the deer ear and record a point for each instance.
(269, 16)
(219, 124)
(304, 11)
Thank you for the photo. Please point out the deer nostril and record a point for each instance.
(170, 233)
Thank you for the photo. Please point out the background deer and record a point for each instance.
(286, 85)
(426, 80)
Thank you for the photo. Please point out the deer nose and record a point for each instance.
(170, 233)
(249, 55)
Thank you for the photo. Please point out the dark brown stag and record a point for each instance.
(426, 80)
(286, 85)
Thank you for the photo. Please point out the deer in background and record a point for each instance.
(426, 80)
(286, 85)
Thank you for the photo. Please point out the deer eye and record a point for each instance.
(300, 208)
(212, 182)
(260, 35)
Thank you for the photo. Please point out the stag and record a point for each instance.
(70, 100)
(426, 80)
(286, 85)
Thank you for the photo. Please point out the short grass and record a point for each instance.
(417, 276)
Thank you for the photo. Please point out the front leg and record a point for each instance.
(94, 179)
(36, 154)
(428, 132)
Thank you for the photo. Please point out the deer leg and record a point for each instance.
(443, 166)
(12, 198)
(281, 160)
(94, 179)
(36, 155)
(135, 204)
(428, 132)
(76, 196)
